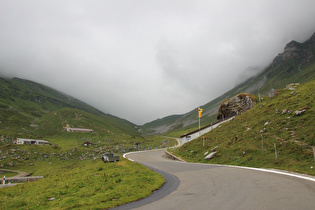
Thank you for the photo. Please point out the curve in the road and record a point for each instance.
(205, 186)
(171, 184)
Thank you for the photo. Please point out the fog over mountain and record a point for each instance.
(143, 60)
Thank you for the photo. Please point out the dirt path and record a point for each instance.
(20, 173)
(21, 177)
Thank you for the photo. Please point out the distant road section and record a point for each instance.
(204, 186)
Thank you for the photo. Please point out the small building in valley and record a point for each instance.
(32, 141)
(87, 143)
(85, 130)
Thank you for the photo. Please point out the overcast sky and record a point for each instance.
(146, 59)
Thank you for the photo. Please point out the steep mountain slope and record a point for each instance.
(276, 133)
(295, 64)
(26, 107)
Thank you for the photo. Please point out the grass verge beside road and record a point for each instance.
(89, 184)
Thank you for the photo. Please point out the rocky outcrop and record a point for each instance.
(296, 50)
(235, 106)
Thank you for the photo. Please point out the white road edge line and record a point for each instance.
(242, 167)
(263, 170)
(124, 155)
(277, 172)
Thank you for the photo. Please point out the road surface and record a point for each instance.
(201, 186)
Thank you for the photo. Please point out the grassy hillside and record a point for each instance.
(23, 103)
(252, 138)
(24, 94)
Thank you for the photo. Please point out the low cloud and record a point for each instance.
(143, 60)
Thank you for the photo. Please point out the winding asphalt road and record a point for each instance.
(202, 186)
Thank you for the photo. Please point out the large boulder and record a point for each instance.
(236, 105)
